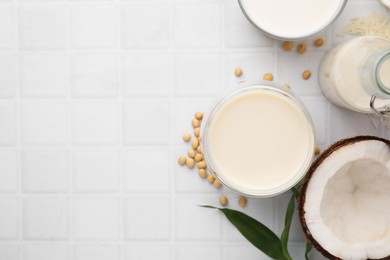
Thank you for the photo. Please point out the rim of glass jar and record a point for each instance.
(297, 38)
(385, 56)
(244, 87)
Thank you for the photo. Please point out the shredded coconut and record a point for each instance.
(375, 24)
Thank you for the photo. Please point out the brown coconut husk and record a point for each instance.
(310, 173)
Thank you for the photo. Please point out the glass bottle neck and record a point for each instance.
(375, 74)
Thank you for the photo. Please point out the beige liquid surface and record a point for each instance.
(259, 140)
(288, 18)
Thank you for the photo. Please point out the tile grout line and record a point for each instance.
(69, 146)
(18, 132)
(120, 152)
(171, 124)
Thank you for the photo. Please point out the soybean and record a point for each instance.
(191, 153)
(306, 74)
(182, 160)
(223, 200)
(202, 165)
(197, 132)
(187, 137)
(195, 143)
(287, 46)
(238, 72)
(190, 163)
(268, 76)
(198, 157)
(242, 201)
(210, 179)
(199, 115)
(217, 184)
(318, 42)
(202, 173)
(195, 123)
(301, 48)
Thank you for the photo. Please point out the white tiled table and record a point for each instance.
(94, 98)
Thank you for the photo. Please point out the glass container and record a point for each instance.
(279, 151)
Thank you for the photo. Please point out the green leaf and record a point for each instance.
(309, 247)
(255, 232)
(295, 191)
(287, 225)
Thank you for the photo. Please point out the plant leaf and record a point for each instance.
(295, 191)
(287, 225)
(255, 232)
(309, 247)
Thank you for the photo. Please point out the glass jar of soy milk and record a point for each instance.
(356, 75)
(291, 20)
(258, 140)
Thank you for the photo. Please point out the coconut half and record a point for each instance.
(344, 207)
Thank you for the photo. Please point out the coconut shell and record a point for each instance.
(311, 171)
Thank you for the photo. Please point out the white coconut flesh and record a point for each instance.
(347, 207)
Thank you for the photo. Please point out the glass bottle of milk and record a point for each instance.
(356, 75)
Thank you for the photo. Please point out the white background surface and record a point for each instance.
(94, 98)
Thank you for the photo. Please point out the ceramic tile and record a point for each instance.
(9, 173)
(194, 252)
(194, 223)
(247, 252)
(346, 123)
(94, 26)
(96, 252)
(137, 71)
(7, 27)
(95, 75)
(95, 123)
(45, 219)
(196, 25)
(44, 75)
(8, 122)
(146, 170)
(45, 252)
(44, 171)
(154, 32)
(292, 75)
(146, 123)
(253, 64)
(8, 75)
(42, 27)
(44, 123)
(143, 210)
(146, 252)
(95, 171)
(197, 74)
(9, 219)
(10, 252)
(95, 219)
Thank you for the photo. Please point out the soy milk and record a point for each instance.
(259, 142)
(292, 19)
(356, 70)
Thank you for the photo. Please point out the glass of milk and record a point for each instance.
(292, 20)
(258, 140)
(356, 75)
